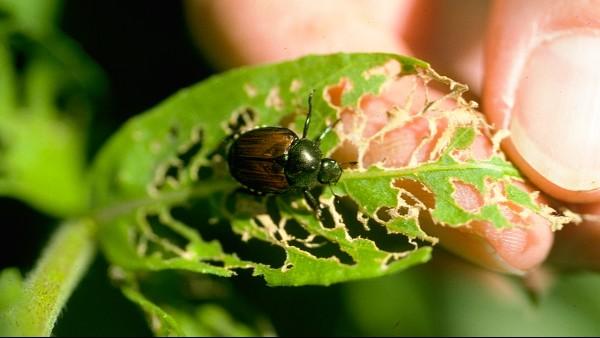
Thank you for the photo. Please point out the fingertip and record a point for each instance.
(541, 83)
(523, 248)
(513, 251)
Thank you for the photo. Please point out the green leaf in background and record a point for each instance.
(452, 298)
(46, 86)
(207, 320)
(35, 17)
(176, 306)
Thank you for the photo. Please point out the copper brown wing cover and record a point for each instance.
(253, 158)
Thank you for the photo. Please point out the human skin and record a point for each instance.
(534, 65)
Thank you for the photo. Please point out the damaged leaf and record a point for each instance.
(415, 152)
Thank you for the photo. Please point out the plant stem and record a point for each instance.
(55, 276)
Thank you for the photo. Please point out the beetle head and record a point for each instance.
(330, 171)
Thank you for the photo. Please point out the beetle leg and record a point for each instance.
(313, 203)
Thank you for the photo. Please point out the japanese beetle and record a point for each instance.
(274, 160)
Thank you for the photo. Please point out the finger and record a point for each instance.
(238, 32)
(577, 244)
(449, 35)
(542, 71)
(412, 141)
(515, 250)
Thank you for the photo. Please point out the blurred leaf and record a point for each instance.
(460, 300)
(161, 323)
(206, 320)
(46, 90)
(398, 305)
(36, 17)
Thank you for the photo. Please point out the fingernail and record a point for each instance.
(555, 124)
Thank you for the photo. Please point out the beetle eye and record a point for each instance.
(330, 171)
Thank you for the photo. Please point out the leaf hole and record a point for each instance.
(402, 210)
(294, 229)
(417, 193)
(334, 93)
(346, 154)
(214, 262)
(240, 120)
(244, 203)
(288, 119)
(272, 209)
(426, 222)
(263, 252)
(172, 172)
(373, 230)
(205, 173)
(163, 231)
(323, 248)
(383, 214)
(190, 150)
(196, 215)
(327, 220)
(467, 196)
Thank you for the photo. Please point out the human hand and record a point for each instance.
(539, 79)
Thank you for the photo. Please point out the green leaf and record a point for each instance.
(170, 314)
(44, 108)
(36, 17)
(161, 323)
(165, 200)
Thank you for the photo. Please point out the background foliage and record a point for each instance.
(133, 46)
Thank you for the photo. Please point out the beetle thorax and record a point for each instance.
(303, 162)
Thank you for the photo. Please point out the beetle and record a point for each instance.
(274, 160)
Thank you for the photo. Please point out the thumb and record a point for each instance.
(542, 83)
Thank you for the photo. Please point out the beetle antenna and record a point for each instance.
(326, 130)
(307, 121)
